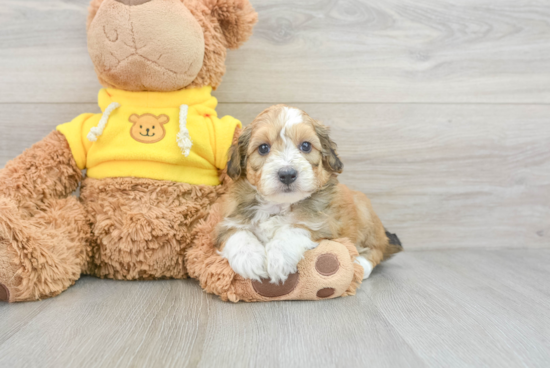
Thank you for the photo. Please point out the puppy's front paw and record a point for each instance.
(246, 255)
(281, 263)
(285, 251)
(283, 258)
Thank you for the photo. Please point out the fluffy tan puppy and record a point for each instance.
(286, 198)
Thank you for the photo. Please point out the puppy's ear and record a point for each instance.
(236, 166)
(236, 19)
(331, 161)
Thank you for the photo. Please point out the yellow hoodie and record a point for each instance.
(146, 135)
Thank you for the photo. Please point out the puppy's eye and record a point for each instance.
(153, 127)
(263, 149)
(141, 126)
(305, 147)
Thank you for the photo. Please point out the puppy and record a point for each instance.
(286, 198)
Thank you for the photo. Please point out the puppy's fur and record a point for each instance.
(268, 223)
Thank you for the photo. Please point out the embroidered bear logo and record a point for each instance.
(148, 128)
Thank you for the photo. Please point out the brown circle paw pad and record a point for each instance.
(4, 293)
(269, 290)
(325, 292)
(327, 264)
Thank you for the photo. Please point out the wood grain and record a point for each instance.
(453, 308)
(315, 51)
(109, 324)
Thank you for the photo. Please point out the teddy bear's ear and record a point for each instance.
(163, 119)
(236, 19)
(92, 11)
(133, 118)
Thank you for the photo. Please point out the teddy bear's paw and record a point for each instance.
(325, 272)
(4, 293)
(42, 255)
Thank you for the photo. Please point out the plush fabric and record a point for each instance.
(142, 227)
(235, 19)
(144, 196)
(118, 153)
(42, 228)
(131, 51)
(122, 228)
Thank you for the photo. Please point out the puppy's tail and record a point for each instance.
(394, 245)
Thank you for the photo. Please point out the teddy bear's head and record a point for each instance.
(165, 45)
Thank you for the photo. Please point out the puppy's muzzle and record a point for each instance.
(288, 175)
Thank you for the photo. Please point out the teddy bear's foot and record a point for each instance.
(328, 271)
(41, 252)
(4, 293)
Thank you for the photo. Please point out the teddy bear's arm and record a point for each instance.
(46, 170)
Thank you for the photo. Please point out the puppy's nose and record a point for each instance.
(288, 175)
(133, 2)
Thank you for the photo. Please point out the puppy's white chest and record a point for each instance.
(266, 230)
(269, 220)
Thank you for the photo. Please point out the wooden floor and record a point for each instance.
(441, 110)
(453, 308)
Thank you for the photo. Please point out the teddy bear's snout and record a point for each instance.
(155, 47)
(133, 2)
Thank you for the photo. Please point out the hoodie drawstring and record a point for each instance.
(98, 130)
(183, 138)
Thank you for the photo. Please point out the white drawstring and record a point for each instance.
(98, 130)
(183, 138)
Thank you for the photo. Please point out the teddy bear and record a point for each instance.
(154, 161)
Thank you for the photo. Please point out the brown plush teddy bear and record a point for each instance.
(154, 158)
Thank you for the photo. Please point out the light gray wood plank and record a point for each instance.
(349, 332)
(452, 308)
(105, 323)
(469, 308)
(440, 176)
(315, 51)
(14, 319)
(43, 52)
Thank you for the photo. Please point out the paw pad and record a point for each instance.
(325, 292)
(327, 264)
(269, 290)
(4, 293)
